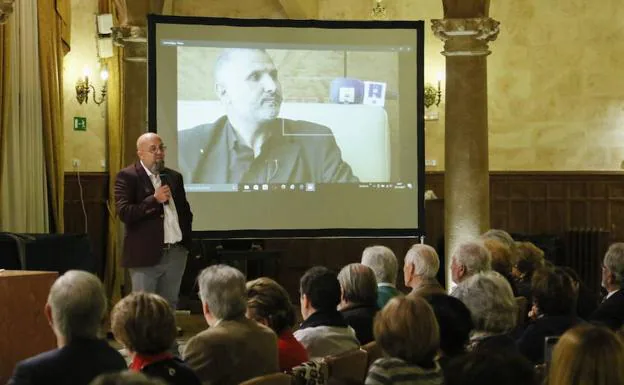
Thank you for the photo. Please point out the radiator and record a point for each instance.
(585, 250)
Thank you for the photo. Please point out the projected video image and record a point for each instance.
(256, 116)
(292, 127)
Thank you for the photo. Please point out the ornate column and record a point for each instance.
(466, 30)
(131, 34)
(6, 8)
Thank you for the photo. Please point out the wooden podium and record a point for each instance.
(24, 328)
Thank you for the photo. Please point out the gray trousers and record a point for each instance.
(164, 278)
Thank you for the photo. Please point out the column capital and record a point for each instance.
(134, 40)
(132, 30)
(466, 37)
(6, 8)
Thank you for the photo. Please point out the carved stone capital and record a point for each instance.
(134, 41)
(134, 12)
(6, 8)
(466, 37)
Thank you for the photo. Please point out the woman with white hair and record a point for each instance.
(490, 300)
(358, 299)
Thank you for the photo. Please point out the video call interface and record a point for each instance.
(313, 128)
(321, 117)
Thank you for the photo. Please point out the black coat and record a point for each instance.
(360, 318)
(77, 363)
(299, 151)
(531, 343)
(173, 371)
(611, 311)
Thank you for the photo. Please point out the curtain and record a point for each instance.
(5, 86)
(114, 276)
(51, 66)
(24, 203)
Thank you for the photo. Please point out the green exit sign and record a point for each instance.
(80, 123)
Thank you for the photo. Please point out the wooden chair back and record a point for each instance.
(350, 366)
(374, 352)
(270, 379)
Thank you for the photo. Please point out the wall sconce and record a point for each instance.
(83, 87)
(379, 11)
(433, 96)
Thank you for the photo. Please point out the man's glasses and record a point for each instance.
(154, 149)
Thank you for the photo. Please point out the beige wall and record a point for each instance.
(556, 90)
(87, 146)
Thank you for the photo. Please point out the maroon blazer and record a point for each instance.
(143, 216)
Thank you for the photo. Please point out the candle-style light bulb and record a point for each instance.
(86, 71)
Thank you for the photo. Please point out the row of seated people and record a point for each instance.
(423, 335)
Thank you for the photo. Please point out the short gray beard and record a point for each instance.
(158, 166)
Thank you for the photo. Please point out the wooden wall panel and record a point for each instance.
(521, 202)
(554, 201)
(95, 195)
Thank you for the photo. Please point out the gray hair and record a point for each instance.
(222, 288)
(614, 261)
(358, 283)
(474, 256)
(78, 305)
(490, 299)
(425, 260)
(505, 238)
(383, 262)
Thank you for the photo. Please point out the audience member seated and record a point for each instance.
(358, 302)
(408, 333)
(553, 311)
(420, 269)
(469, 259)
(126, 378)
(234, 348)
(385, 266)
(502, 261)
(492, 306)
(455, 324)
(587, 354)
(324, 331)
(491, 368)
(586, 300)
(530, 258)
(269, 304)
(611, 311)
(503, 237)
(144, 323)
(75, 310)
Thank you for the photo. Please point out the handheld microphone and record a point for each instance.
(164, 181)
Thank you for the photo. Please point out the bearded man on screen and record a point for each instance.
(250, 144)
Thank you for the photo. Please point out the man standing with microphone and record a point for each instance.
(150, 200)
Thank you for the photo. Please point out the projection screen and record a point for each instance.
(292, 128)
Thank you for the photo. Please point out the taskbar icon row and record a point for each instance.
(309, 187)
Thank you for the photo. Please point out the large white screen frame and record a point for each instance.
(334, 210)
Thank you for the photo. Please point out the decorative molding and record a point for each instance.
(466, 37)
(129, 33)
(6, 8)
(134, 41)
(379, 11)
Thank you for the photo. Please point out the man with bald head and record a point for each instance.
(150, 200)
(250, 144)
